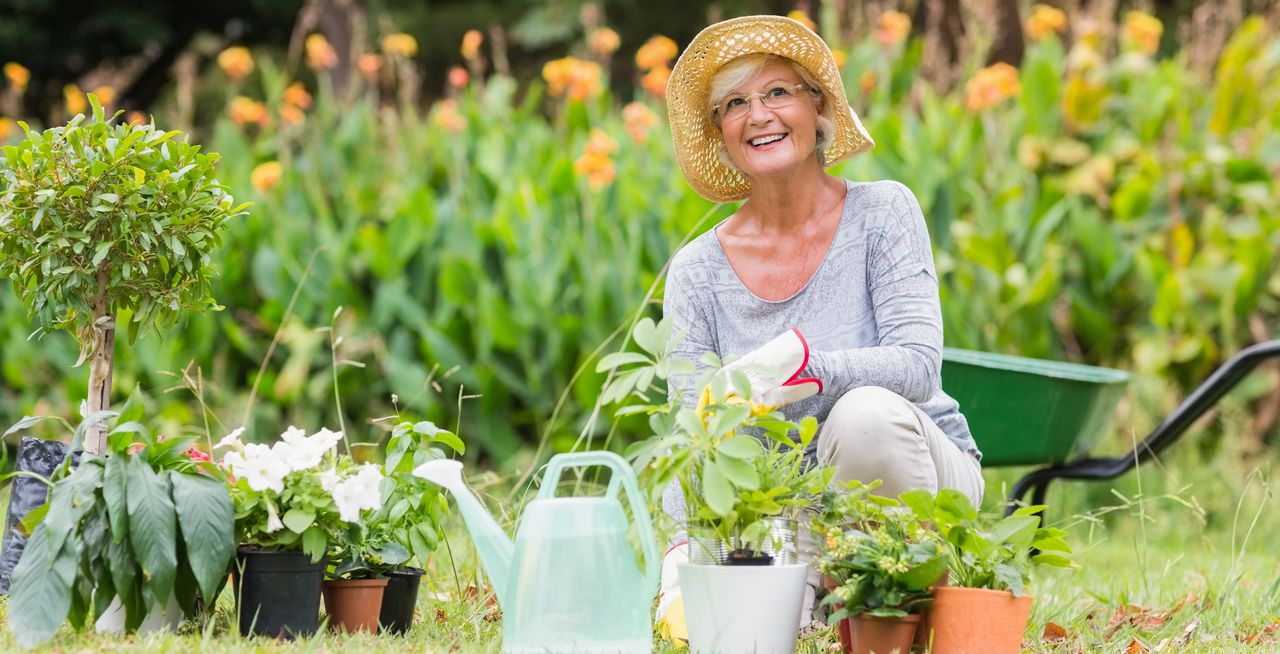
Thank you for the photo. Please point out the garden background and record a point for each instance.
(488, 192)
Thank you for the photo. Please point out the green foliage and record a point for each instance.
(881, 559)
(414, 510)
(137, 525)
(990, 553)
(99, 212)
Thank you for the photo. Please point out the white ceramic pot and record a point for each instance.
(742, 609)
(166, 619)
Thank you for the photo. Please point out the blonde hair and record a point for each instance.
(736, 72)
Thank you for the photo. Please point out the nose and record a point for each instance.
(757, 113)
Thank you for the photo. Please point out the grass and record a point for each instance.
(1176, 557)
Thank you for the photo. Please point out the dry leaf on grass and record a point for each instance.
(1054, 632)
(1139, 617)
(1135, 647)
(1262, 636)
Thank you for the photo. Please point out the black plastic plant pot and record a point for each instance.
(400, 599)
(277, 593)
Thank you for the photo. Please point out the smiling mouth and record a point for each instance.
(762, 141)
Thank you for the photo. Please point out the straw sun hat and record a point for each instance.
(697, 139)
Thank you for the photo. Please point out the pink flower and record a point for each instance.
(197, 456)
(135, 448)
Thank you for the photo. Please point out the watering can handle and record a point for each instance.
(621, 475)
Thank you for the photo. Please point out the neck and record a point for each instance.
(789, 201)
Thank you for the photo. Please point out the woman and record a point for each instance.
(829, 282)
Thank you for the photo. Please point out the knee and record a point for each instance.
(861, 421)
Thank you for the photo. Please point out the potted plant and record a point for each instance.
(140, 537)
(741, 469)
(878, 562)
(413, 514)
(985, 607)
(362, 552)
(290, 499)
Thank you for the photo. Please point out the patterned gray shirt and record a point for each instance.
(870, 313)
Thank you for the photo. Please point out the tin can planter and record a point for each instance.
(399, 600)
(277, 593)
(354, 604)
(977, 621)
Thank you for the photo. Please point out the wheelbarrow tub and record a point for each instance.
(1025, 411)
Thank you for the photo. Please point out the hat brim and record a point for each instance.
(696, 136)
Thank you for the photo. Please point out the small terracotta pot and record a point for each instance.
(872, 635)
(977, 621)
(922, 631)
(353, 604)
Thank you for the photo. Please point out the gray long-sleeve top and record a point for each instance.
(870, 313)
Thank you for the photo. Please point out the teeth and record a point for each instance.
(767, 139)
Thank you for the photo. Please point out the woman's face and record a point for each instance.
(764, 141)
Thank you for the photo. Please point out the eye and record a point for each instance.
(779, 91)
(734, 102)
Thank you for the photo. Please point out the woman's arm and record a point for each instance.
(684, 307)
(904, 296)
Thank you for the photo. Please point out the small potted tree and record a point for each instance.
(100, 219)
(879, 563)
(985, 607)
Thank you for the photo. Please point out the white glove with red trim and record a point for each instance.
(670, 616)
(773, 370)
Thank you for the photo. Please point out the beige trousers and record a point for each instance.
(873, 433)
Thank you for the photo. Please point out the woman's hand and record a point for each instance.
(773, 370)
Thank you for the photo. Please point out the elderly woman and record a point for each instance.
(831, 282)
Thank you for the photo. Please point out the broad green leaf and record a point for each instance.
(314, 542)
(923, 575)
(298, 520)
(207, 520)
(716, 490)
(616, 359)
(740, 446)
(645, 335)
(115, 494)
(40, 595)
(1015, 530)
(153, 529)
(740, 473)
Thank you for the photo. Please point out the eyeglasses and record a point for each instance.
(737, 106)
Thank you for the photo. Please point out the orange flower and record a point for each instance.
(291, 115)
(106, 95)
(369, 65)
(399, 45)
(320, 54)
(266, 176)
(840, 56)
(75, 99)
(575, 77)
(867, 82)
(18, 75)
(1142, 31)
(458, 77)
(471, 42)
(598, 170)
(1044, 21)
(638, 118)
(236, 62)
(297, 96)
(657, 51)
(655, 81)
(6, 128)
(603, 41)
(136, 118)
(802, 17)
(447, 116)
(991, 85)
(892, 28)
(601, 144)
(244, 111)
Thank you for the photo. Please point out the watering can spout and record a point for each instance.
(492, 543)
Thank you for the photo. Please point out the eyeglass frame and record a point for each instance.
(722, 111)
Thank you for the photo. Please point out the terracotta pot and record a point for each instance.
(977, 621)
(922, 631)
(353, 604)
(872, 635)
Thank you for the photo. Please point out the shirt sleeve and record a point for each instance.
(686, 309)
(903, 287)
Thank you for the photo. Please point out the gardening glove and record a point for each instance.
(773, 370)
(670, 617)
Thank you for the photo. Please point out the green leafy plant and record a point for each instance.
(414, 510)
(99, 218)
(735, 460)
(987, 552)
(150, 521)
(878, 554)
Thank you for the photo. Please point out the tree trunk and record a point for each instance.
(1009, 45)
(103, 335)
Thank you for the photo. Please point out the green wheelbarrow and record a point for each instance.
(1049, 413)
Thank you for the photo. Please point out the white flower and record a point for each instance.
(358, 492)
(232, 440)
(261, 467)
(329, 479)
(274, 523)
(325, 439)
(293, 435)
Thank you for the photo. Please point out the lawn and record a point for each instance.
(1177, 557)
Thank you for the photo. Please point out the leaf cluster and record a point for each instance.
(987, 552)
(142, 524)
(100, 211)
(303, 516)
